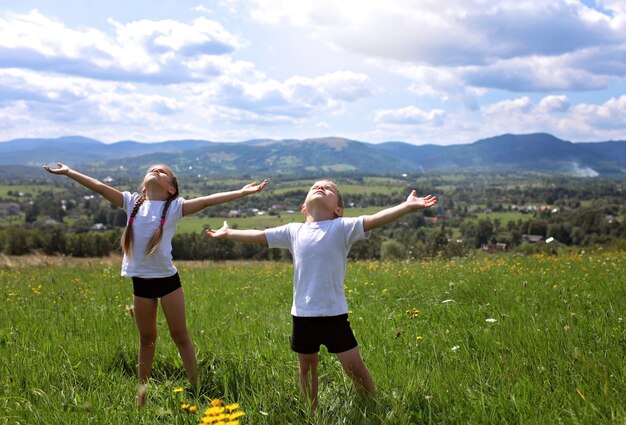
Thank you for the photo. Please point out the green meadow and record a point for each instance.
(481, 340)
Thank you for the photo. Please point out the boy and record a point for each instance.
(320, 247)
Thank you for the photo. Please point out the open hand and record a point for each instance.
(63, 169)
(416, 202)
(254, 187)
(219, 233)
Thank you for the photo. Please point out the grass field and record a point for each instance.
(483, 340)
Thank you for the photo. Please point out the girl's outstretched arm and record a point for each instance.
(109, 193)
(192, 206)
(250, 236)
(412, 203)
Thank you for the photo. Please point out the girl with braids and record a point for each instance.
(147, 246)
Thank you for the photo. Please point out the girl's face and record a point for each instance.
(324, 193)
(161, 176)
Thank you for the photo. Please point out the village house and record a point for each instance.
(9, 208)
(494, 247)
(532, 238)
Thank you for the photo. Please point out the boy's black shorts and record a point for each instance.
(308, 333)
(155, 288)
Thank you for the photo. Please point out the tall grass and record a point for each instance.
(488, 340)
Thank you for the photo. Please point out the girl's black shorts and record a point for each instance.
(308, 333)
(155, 288)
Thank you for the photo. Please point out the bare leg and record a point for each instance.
(145, 319)
(308, 365)
(354, 367)
(173, 305)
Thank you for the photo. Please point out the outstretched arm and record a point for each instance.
(250, 236)
(192, 206)
(111, 194)
(412, 203)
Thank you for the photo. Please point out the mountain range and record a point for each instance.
(539, 152)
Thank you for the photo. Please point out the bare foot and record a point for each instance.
(142, 391)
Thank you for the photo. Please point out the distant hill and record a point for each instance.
(538, 152)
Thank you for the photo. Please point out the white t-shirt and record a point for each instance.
(320, 256)
(146, 222)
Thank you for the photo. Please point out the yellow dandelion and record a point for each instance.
(216, 402)
(193, 409)
(232, 407)
(184, 406)
(177, 390)
(419, 337)
(214, 411)
(236, 415)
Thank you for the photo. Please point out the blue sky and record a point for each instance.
(419, 71)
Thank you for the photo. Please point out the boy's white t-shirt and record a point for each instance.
(320, 256)
(146, 222)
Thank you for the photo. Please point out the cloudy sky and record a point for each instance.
(419, 71)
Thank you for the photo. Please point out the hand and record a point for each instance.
(254, 187)
(426, 202)
(63, 169)
(219, 233)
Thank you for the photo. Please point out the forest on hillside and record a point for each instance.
(520, 213)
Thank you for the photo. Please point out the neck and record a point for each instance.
(156, 194)
(319, 214)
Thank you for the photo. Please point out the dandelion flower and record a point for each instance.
(177, 390)
(236, 415)
(193, 409)
(216, 402)
(232, 407)
(213, 411)
(185, 406)
(419, 337)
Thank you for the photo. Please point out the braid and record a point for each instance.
(156, 238)
(128, 236)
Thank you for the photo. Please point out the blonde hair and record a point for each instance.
(128, 236)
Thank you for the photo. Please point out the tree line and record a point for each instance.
(581, 213)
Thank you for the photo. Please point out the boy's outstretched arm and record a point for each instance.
(109, 193)
(249, 236)
(192, 206)
(412, 203)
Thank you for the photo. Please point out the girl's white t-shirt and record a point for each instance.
(146, 222)
(320, 256)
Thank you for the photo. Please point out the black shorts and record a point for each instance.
(308, 333)
(155, 288)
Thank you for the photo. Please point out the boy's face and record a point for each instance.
(323, 193)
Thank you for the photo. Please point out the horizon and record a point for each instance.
(444, 73)
(303, 140)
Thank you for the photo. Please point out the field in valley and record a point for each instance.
(484, 340)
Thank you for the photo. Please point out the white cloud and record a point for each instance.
(163, 51)
(510, 45)
(508, 107)
(550, 104)
(409, 115)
